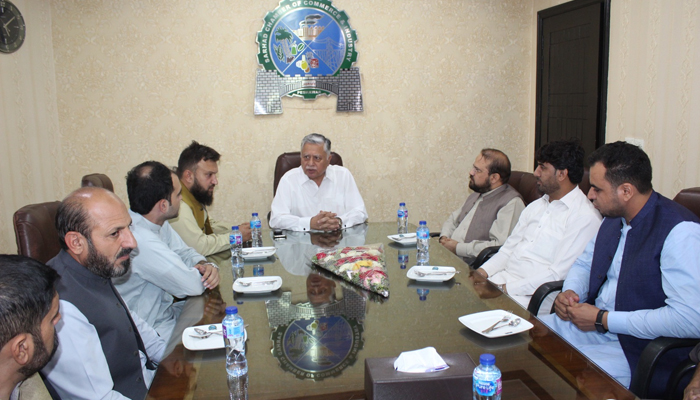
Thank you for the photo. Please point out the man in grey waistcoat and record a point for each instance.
(490, 212)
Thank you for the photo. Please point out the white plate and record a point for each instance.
(404, 239)
(435, 274)
(214, 341)
(256, 285)
(255, 253)
(478, 322)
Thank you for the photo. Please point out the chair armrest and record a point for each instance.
(484, 256)
(541, 293)
(641, 378)
(434, 234)
(677, 375)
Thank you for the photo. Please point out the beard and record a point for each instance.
(202, 195)
(101, 266)
(41, 354)
(477, 188)
(547, 188)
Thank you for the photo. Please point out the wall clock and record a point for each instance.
(12, 29)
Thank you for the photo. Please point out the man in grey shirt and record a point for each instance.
(490, 212)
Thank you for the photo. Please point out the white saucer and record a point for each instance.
(256, 285)
(256, 253)
(478, 322)
(404, 239)
(434, 274)
(214, 341)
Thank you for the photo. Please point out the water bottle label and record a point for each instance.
(255, 224)
(235, 239)
(231, 331)
(402, 214)
(422, 234)
(403, 259)
(487, 388)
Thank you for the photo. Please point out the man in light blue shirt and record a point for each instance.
(637, 279)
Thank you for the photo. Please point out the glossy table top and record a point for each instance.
(309, 339)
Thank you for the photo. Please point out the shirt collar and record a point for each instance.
(138, 220)
(569, 199)
(330, 175)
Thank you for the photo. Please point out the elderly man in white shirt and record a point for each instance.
(551, 232)
(317, 195)
(163, 265)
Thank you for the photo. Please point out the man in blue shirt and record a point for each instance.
(637, 279)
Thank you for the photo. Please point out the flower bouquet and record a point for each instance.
(361, 265)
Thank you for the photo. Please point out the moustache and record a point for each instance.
(125, 252)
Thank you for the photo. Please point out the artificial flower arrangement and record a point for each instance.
(363, 266)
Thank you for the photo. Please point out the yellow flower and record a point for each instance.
(363, 263)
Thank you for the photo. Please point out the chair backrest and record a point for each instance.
(287, 161)
(35, 231)
(97, 180)
(525, 183)
(690, 199)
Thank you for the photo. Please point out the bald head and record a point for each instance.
(498, 163)
(75, 211)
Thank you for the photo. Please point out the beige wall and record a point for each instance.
(102, 86)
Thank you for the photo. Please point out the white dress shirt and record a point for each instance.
(162, 266)
(545, 243)
(298, 199)
(79, 369)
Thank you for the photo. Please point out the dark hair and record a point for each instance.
(193, 154)
(147, 184)
(72, 216)
(624, 163)
(564, 155)
(27, 289)
(498, 163)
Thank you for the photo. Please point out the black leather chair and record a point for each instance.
(287, 161)
(35, 231)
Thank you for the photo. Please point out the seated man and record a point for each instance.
(163, 265)
(28, 315)
(489, 214)
(638, 278)
(317, 195)
(692, 391)
(105, 351)
(197, 169)
(551, 232)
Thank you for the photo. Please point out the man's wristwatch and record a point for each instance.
(599, 322)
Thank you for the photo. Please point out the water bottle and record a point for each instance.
(403, 258)
(422, 294)
(258, 270)
(487, 379)
(235, 239)
(237, 267)
(238, 386)
(402, 218)
(255, 231)
(423, 243)
(234, 337)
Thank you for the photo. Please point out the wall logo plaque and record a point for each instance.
(306, 48)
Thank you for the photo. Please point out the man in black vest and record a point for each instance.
(490, 213)
(105, 351)
(637, 279)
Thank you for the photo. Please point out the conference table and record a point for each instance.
(310, 338)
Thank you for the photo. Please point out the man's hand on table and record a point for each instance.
(563, 301)
(449, 244)
(482, 286)
(692, 391)
(325, 221)
(245, 231)
(326, 240)
(210, 274)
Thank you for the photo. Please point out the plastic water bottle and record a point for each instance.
(403, 258)
(238, 387)
(255, 231)
(422, 294)
(236, 241)
(402, 218)
(423, 243)
(487, 379)
(234, 337)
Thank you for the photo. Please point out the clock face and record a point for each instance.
(12, 29)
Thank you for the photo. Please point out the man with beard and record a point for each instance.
(489, 214)
(28, 315)
(106, 352)
(163, 265)
(638, 278)
(317, 196)
(197, 169)
(552, 231)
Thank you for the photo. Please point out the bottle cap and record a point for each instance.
(421, 223)
(485, 359)
(233, 228)
(231, 310)
(255, 214)
(402, 204)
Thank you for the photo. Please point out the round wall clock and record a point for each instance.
(12, 29)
